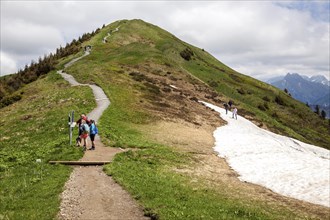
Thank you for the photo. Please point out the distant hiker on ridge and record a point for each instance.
(230, 103)
(235, 113)
(226, 107)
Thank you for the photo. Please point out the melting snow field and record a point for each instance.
(282, 164)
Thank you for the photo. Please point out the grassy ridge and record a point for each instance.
(36, 128)
(138, 43)
(148, 174)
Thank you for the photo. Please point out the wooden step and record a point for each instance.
(81, 163)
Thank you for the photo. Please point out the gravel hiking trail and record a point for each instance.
(90, 193)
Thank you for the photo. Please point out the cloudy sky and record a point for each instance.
(258, 38)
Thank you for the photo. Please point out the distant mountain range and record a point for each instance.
(313, 90)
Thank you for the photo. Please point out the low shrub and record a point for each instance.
(266, 98)
(10, 100)
(241, 91)
(213, 84)
(187, 54)
(279, 100)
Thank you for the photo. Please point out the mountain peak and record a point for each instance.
(315, 79)
(313, 90)
(320, 79)
(293, 76)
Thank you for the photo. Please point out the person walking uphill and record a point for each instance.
(84, 127)
(80, 131)
(93, 131)
(230, 103)
(235, 113)
(226, 107)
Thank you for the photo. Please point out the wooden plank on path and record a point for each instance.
(81, 163)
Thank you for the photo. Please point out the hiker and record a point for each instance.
(230, 103)
(226, 107)
(78, 139)
(235, 113)
(93, 131)
(85, 133)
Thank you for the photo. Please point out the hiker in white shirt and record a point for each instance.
(235, 113)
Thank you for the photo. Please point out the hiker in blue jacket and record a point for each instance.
(93, 131)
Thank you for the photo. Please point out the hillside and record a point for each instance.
(148, 60)
(154, 82)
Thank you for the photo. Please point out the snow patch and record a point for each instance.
(282, 164)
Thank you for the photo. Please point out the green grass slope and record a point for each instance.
(36, 128)
(139, 44)
(135, 68)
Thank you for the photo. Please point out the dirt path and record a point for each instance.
(109, 34)
(89, 192)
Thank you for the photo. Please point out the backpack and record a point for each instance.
(94, 129)
(85, 128)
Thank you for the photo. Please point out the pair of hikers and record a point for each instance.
(87, 128)
(228, 106)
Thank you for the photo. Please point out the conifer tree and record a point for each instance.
(323, 114)
(317, 109)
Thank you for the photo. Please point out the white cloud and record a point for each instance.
(21, 37)
(256, 38)
(8, 65)
(245, 34)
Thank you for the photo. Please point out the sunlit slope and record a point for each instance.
(33, 131)
(150, 84)
(144, 59)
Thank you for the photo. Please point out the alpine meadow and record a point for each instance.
(154, 82)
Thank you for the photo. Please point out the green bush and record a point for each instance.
(263, 107)
(10, 100)
(187, 54)
(266, 98)
(241, 91)
(279, 100)
(213, 84)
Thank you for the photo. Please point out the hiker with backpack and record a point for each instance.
(84, 127)
(93, 132)
(82, 117)
(226, 107)
(230, 103)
